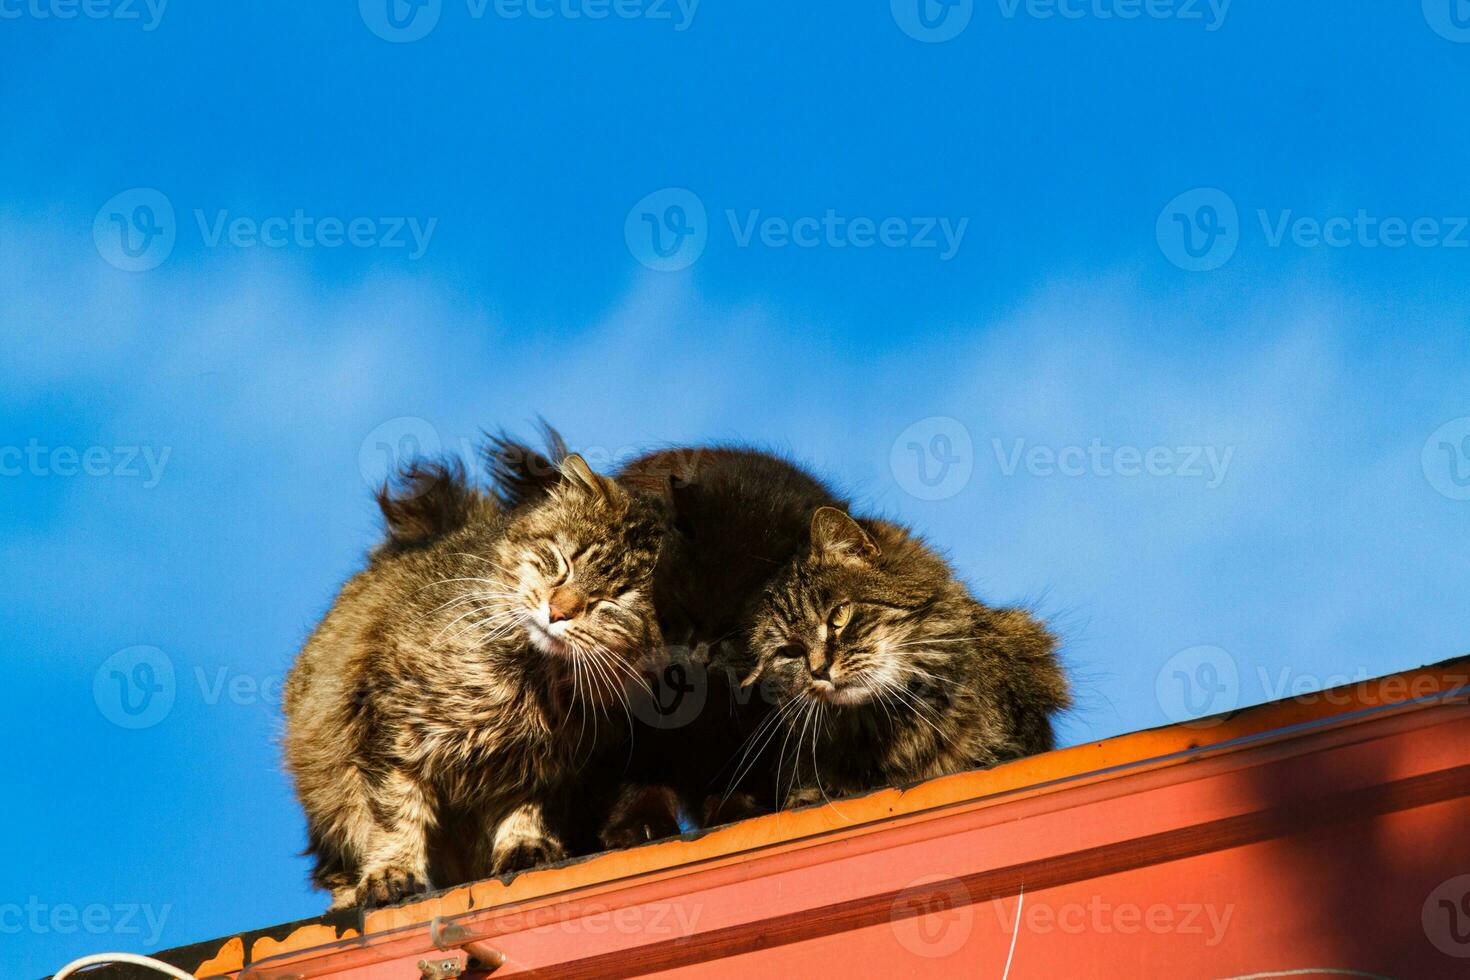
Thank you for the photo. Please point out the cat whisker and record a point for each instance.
(781, 755)
(921, 711)
(816, 772)
(460, 618)
(771, 724)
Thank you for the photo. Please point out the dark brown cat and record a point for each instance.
(441, 719)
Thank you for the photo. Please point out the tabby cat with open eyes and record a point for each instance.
(446, 720)
(886, 671)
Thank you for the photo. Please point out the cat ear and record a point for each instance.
(579, 476)
(836, 534)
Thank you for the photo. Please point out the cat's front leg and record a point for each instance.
(395, 862)
(523, 839)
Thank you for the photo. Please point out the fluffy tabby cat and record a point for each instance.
(440, 718)
(886, 671)
(881, 667)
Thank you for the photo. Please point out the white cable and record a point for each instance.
(98, 959)
(1015, 934)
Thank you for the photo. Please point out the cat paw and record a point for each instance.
(637, 830)
(642, 814)
(738, 806)
(388, 886)
(526, 852)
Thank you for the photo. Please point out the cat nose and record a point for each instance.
(821, 671)
(564, 604)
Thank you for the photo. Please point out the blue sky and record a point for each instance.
(1227, 467)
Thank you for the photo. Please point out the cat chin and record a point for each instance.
(545, 642)
(846, 695)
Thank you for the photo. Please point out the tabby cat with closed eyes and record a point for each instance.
(446, 720)
(881, 667)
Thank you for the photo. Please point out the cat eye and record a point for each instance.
(791, 650)
(562, 567)
(841, 616)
